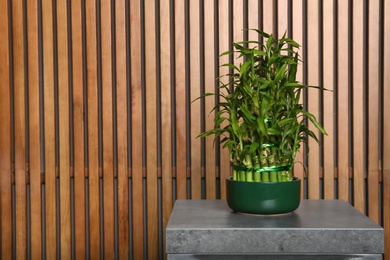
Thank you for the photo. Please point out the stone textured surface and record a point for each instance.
(316, 227)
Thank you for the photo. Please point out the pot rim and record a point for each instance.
(295, 178)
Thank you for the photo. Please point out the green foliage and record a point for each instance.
(259, 117)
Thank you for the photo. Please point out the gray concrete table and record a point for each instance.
(318, 229)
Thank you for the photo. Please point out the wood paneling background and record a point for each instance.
(98, 129)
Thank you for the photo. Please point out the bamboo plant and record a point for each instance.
(259, 117)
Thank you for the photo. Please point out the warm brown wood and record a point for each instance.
(180, 92)
(49, 114)
(151, 129)
(63, 103)
(238, 36)
(178, 53)
(195, 107)
(5, 140)
(19, 129)
(386, 201)
(297, 35)
(253, 17)
(268, 16)
(358, 99)
(313, 99)
(342, 101)
(137, 135)
(93, 159)
(282, 18)
(328, 100)
(373, 110)
(34, 131)
(122, 134)
(225, 169)
(238, 23)
(386, 133)
(78, 131)
(209, 74)
(108, 152)
(166, 121)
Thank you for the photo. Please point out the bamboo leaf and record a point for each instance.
(273, 131)
(245, 67)
(264, 34)
(281, 72)
(259, 52)
(248, 116)
(265, 105)
(315, 123)
(232, 66)
(261, 126)
(285, 121)
(254, 146)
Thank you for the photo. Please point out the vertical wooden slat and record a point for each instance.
(282, 18)
(181, 172)
(342, 101)
(166, 111)
(78, 130)
(63, 104)
(122, 119)
(225, 170)
(93, 157)
(180, 88)
(195, 93)
(328, 106)
(238, 34)
(151, 127)
(253, 17)
(50, 174)
(358, 128)
(34, 130)
(268, 16)
(209, 74)
(108, 153)
(5, 133)
(386, 127)
(297, 35)
(313, 100)
(20, 128)
(238, 23)
(373, 110)
(136, 170)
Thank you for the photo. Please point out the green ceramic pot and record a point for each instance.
(263, 197)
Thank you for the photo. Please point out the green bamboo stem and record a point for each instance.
(249, 176)
(271, 162)
(235, 175)
(284, 177)
(264, 175)
(279, 174)
(248, 164)
(256, 175)
(242, 176)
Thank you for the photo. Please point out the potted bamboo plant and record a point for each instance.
(260, 120)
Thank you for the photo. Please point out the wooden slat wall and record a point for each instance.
(98, 129)
(5, 134)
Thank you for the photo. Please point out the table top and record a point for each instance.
(215, 214)
(316, 226)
